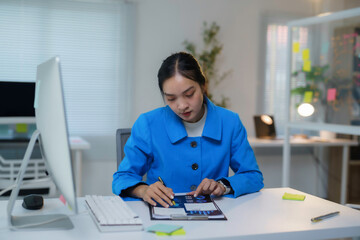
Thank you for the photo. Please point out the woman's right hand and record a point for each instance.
(155, 192)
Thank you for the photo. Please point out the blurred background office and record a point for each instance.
(111, 50)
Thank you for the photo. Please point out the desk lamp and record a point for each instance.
(264, 126)
(304, 110)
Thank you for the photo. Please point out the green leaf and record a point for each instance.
(299, 90)
(208, 57)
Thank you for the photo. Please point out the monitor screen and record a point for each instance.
(17, 100)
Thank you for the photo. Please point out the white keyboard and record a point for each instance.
(111, 213)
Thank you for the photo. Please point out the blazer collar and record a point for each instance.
(176, 129)
(213, 124)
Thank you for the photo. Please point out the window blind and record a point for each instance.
(275, 72)
(91, 39)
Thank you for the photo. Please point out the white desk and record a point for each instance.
(299, 142)
(77, 145)
(262, 215)
(315, 142)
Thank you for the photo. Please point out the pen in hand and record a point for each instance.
(162, 182)
(320, 218)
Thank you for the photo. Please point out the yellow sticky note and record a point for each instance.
(175, 233)
(306, 54)
(291, 196)
(21, 128)
(308, 96)
(307, 66)
(296, 47)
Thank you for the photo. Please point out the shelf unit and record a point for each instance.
(11, 157)
(326, 19)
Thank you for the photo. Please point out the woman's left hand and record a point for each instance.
(209, 186)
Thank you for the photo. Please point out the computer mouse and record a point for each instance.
(33, 202)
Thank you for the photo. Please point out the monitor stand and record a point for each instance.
(34, 222)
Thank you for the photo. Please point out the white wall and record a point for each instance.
(161, 26)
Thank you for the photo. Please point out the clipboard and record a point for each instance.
(188, 207)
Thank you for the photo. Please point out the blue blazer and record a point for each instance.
(159, 146)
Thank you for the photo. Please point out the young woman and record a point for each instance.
(190, 143)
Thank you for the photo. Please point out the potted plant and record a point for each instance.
(208, 58)
(320, 84)
(315, 80)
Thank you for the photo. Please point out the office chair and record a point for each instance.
(122, 135)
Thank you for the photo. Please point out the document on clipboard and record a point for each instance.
(188, 207)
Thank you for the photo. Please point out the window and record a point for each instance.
(275, 71)
(91, 39)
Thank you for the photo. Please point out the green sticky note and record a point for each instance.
(308, 96)
(21, 128)
(36, 98)
(325, 47)
(4, 129)
(290, 196)
(174, 233)
(306, 54)
(307, 66)
(164, 228)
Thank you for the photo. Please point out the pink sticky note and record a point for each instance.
(331, 94)
(62, 199)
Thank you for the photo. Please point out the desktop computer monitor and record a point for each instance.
(52, 133)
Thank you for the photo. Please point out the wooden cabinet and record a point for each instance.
(334, 175)
(354, 175)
